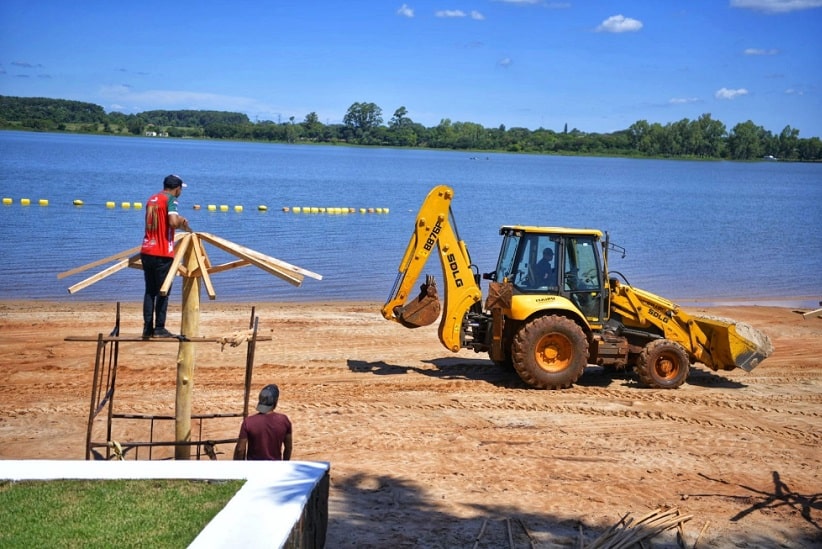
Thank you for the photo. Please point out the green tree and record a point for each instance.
(402, 131)
(361, 119)
(744, 141)
(312, 126)
(400, 118)
(135, 125)
(712, 137)
(810, 150)
(788, 144)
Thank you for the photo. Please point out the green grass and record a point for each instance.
(110, 513)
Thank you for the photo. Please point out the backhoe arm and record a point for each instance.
(434, 230)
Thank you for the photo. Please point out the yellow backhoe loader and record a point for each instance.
(552, 307)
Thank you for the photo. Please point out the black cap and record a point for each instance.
(268, 398)
(172, 182)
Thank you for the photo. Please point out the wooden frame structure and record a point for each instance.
(103, 391)
(192, 263)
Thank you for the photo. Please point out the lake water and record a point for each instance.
(694, 231)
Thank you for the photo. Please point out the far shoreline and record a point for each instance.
(781, 302)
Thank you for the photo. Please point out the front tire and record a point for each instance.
(550, 353)
(663, 364)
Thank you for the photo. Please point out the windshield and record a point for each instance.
(506, 267)
(528, 261)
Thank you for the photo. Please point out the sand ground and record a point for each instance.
(434, 449)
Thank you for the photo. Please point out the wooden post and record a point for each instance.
(190, 327)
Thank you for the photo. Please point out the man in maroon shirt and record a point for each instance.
(157, 253)
(267, 435)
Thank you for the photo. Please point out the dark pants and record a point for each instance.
(155, 270)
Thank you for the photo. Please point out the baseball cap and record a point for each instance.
(268, 398)
(173, 181)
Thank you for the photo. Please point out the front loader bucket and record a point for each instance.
(735, 344)
(423, 310)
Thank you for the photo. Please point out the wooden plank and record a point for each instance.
(256, 259)
(179, 252)
(115, 257)
(228, 246)
(197, 248)
(99, 276)
(228, 266)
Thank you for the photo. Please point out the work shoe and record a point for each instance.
(162, 332)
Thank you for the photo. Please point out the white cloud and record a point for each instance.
(405, 11)
(505, 62)
(177, 99)
(449, 13)
(776, 6)
(794, 91)
(475, 15)
(619, 23)
(683, 100)
(725, 93)
(550, 5)
(758, 51)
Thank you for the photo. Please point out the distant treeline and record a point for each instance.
(363, 125)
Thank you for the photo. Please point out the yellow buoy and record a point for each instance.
(362, 210)
(125, 205)
(109, 204)
(262, 208)
(25, 201)
(385, 210)
(138, 205)
(296, 209)
(212, 208)
(7, 201)
(77, 202)
(43, 202)
(238, 208)
(223, 207)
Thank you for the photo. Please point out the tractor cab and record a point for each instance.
(552, 261)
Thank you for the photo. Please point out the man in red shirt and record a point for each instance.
(267, 435)
(157, 253)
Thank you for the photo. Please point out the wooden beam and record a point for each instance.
(101, 275)
(243, 251)
(228, 266)
(258, 260)
(199, 254)
(190, 326)
(179, 252)
(115, 257)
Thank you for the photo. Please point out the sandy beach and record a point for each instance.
(434, 449)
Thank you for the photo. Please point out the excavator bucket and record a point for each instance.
(735, 344)
(424, 309)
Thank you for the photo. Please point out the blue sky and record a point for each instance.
(598, 66)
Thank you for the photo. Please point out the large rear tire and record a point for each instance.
(550, 353)
(663, 364)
